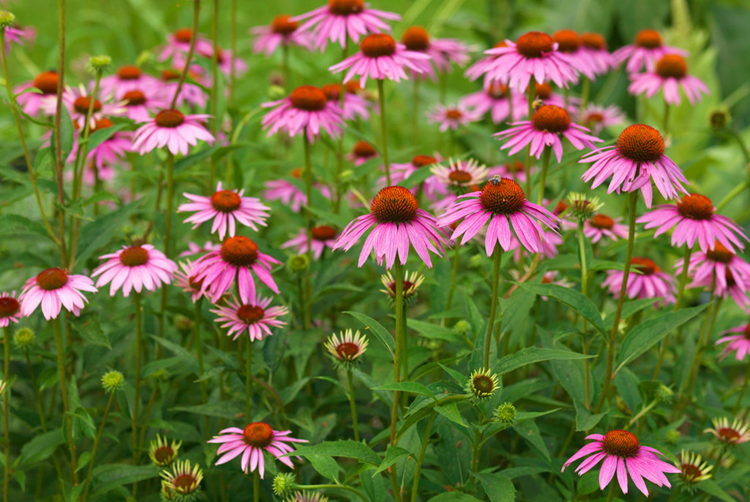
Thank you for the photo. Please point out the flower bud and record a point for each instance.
(113, 381)
(298, 263)
(506, 413)
(99, 64)
(283, 484)
(24, 338)
(6, 19)
(462, 327)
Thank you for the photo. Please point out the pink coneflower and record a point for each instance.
(597, 117)
(502, 204)
(645, 51)
(323, 237)
(441, 52)
(140, 104)
(639, 152)
(347, 347)
(78, 101)
(651, 282)
(362, 151)
(112, 150)
(340, 18)
(460, 174)
(225, 208)
(534, 54)
(545, 94)
(225, 61)
(380, 57)
(452, 117)
(600, 226)
(307, 110)
(399, 223)
(739, 344)
(289, 194)
(433, 189)
(237, 259)
(251, 442)
(595, 48)
(737, 433)
(133, 268)
(173, 129)
(513, 169)
(189, 93)
(253, 316)
(570, 46)
(693, 218)
(128, 78)
(178, 43)
(355, 104)
(18, 35)
(496, 99)
(54, 288)
(282, 31)
(622, 453)
(565, 222)
(721, 268)
(185, 280)
(10, 308)
(669, 75)
(543, 130)
(194, 248)
(45, 100)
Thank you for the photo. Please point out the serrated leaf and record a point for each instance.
(347, 449)
(531, 355)
(497, 487)
(392, 455)
(110, 476)
(90, 329)
(450, 411)
(411, 387)
(39, 448)
(376, 329)
(570, 297)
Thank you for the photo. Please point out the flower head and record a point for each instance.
(45, 99)
(133, 268)
(282, 31)
(356, 104)
(482, 384)
(183, 480)
(185, 280)
(719, 266)
(452, 117)
(254, 316)
(646, 50)
(581, 206)
(251, 442)
(10, 309)
(288, 193)
(460, 174)
(54, 288)
(597, 117)
(190, 93)
(173, 129)
(600, 226)
(323, 237)
(693, 468)
(634, 162)
(78, 102)
(623, 453)
(283, 484)
(739, 343)
(412, 281)
(594, 47)
(669, 75)
(307, 497)
(505, 413)
(497, 99)
(442, 51)
(362, 151)
(570, 46)
(298, 263)
(113, 381)
(126, 79)
(347, 348)
(161, 452)
(306, 110)
(649, 282)
(24, 338)
(737, 433)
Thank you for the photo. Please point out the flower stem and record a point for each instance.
(498, 257)
(731, 195)
(632, 203)
(454, 275)
(415, 113)
(96, 445)
(64, 392)
(214, 87)
(677, 303)
(398, 277)
(530, 99)
(703, 345)
(543, 178)
(584, 288)
(136, 402)
(6, 403)
(353, 404)
(308, 217)
(59, 154)
(420, 459)
(248, 379)
(384, 137)
(197, 319)
(340, 151)
(233, 43)
(189, 57)
(611, 494)
(742, 390)
(256, 485)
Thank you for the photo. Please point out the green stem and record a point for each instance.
(96, 445)
(383, 129)
(340, 151)
(415, 113)
(37, 392)
(454, 274)
(612, 489)
(632, 203)
(248, 379)
(677, 303)
(233, 43)
(543, 178)
(530, 96)
(336, 487)
(197, 319)
(498, 256)
(214, 87)
(352, 403)
(6, 404)
(64, 392)
(702, 347)
(420, 459)
(168, 210)
(309, 221)
(191, 50)
(644, 411)
(60, 156)
(742, 390)
(136, 402)
(584, 288)
(731, 195)
(256, 485)
(398, 277)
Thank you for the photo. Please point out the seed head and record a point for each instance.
(506, 413)
(283, 484)
(113, 381)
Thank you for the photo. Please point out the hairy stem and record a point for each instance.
(498, 257)
(677, 303)
(96, 445)
(383, 132)
(191, 50)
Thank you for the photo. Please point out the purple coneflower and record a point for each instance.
(452, 117)
(570, 46)
(289, 194)
(10, 308)
(496, 99)
(134, 267)
(597, 117)
(595, 48)
(739, 344)
(737, 433)
(600, 226)
(669, 75)
(110, 151)
(173, 129)
(282, 31)
(460, 174)
(253, 316)
(185, 280)
(347, 347)
(355, 104)
(442, 51)
(45, 100)
(178, 43)
(719, 263)
(78, 101)
(550, 242)
(140, 104)
(645, 51)
(323, 237)
(54, 288)
(306, 109)
(194, 248)
(651, 282)
(189, 93)
(128, 78)
(362, 151)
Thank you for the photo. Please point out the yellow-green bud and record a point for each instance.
(276, 92)
(24, 338)
(462, 327)
(298, 263)
(6, 19)
(99, 64)
(113, 381)
(283, 484)
(183, 324)
(719, 118)
(506, 413)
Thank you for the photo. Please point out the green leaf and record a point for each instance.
(497, 487)
(99, 232)
(530, 433)
(450, 411)
(376, 329)
(411, 387)
(647, 334)
(570, 297)
(531, 355)
(83, 460)
(434, 331)
(325, 465)
(67, 133)
(101, 135)
(90, 329)
(709, 486)
(586, 420)
(14, 224)
(328, 217)
(347, 449)
(39, 448)
(629, 308)
(453, 497)
(222, 409)
(110, 476)
(392, 455)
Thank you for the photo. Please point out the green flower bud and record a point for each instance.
(462, 327)
(99, 64)
(298, 263)
(6, 19)
(664, 394)
(276, 92)
(719, 118)
(283, 484)
(672, 436)
(24, 338)
(113, 381)
(505, 413)
(183, 324)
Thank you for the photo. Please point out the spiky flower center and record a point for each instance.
(52, 279)
(423, 160)
(622, 444)
(308, 97)
(550, 118)
(134, 98)
(534, 44)
(225, 201)
(283, 26)
(728, 434)
(648, 39)
(103, 123)
(567, 41)
(696, 207)
(239, 251)
(602, 222)
(671, 66)
(347, 350)
(453, 114)
(593, 41)
(543, 91)
(134, 256)
(353, 86)
(345, 7)
(185, 483)
(378, 45)
(323, 233)
(458, 176)
(47, 82)
(363, 150)
(164, 455)
(168, 75)
(394, 205)
(496, 90)
(129, 72)
(250, 314)
(416, 38)
(9, 306)
(641, 143)
(645, 266)
(332, 91)
(296, 173)
(169, 118)
(258, 434)
(184, 35)
(502, 196)
(720, 253)
(82, 104)
(483, 384)
(690, 471)
(594, 117)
